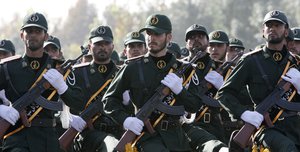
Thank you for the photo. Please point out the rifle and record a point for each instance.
(155, 103)
(242, 138)
(205, 86)
(34, 93)
(87, 114)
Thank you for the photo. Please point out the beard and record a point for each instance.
(276, 40)
(160, 47)
(198, 47)
(101, 56)
(34, 45)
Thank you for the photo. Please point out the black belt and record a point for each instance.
(167, 124)
(41, 122)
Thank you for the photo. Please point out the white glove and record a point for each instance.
(134, 124)
(253, 118)
(215, 79)
(9, 113)
(293, 76)
(3, 98)
(173, 82)
(126, 98)
(77, 122)
(56, 80)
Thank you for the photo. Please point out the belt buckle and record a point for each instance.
(206, 117)
(164, 125)
(103, 126)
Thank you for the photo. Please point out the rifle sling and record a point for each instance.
(264, 76)
(7, 77)
(141, 76)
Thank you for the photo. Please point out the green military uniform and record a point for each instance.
(17, 75)
(37, 138)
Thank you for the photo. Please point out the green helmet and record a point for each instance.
(290, 36)
(101, 33)
(174, 48)
(115, 57)
(296, 31)
(218, 36)
(35, 19)
(158, 23)
(53, 40)
(7, 46)
(134, 37)
(195, 28)
(276, 15)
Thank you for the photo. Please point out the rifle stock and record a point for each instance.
(21, 103)
(65, 141)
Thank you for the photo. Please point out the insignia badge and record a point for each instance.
(35, 64)
(196, 26)
(101, 30)
(153, 20)
(200, 65)
(135, 34)
(295, 32)
(277, 56)
(161, 64)
(2, 43)
(34, 18)
(274, 13)
(216, 35)
(50, 37)
(235, 40)
(102, 68)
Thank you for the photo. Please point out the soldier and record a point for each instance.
(141, 77)
(235, 46)
(53, 48)
(40, 135)
(273, 58)
(174, 48)
(89, 78)
(296, 46)
(135, 45)
(197, 40)
(7, 49)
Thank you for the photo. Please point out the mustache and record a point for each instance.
(152, 43)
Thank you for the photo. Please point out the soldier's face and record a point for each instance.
(197, 41)
(156, 43)
(295, 47)
(34, 38)
(217, 51)
(135, 49)
(52, 50)
(274, 32)
(232, 52)
(4, 54)
(101, 51)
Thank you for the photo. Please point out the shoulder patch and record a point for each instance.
(134, 59)
(81, 65)
(11, 58)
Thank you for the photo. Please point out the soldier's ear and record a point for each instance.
(46, 37)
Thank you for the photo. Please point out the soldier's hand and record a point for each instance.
(134, 124)
(77, 123)
(3, 98)
(126, 97)
(56, 80)
(9, 113)
(252, 117)
(173, 82)
(215, 79)
(293, 76)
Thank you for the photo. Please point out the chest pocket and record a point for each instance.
(259, 88)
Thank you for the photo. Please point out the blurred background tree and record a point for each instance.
(238, 18)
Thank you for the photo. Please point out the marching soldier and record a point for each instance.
(235, 46)
(17, 75)
(89, 81)
(261, 70)
(296, 46)
(134, 44)
(141, 77)
(7, 49)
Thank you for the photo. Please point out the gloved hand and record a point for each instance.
(134, 124)
(77, 122)
(215, 79)
(9, 113)
(126, 98)
(56, 80)
(3, 98)
(293, 76)
(173, 82)
(253, 118)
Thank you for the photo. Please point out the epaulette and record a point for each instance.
(11, 58)
(134, 59)
(81, 65)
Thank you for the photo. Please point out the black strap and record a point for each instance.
(264, 76)
(141, 76)
(85, 77)
(7, 78)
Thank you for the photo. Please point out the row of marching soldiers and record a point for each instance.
(153, 102)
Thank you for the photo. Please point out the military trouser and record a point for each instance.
(201, 140)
